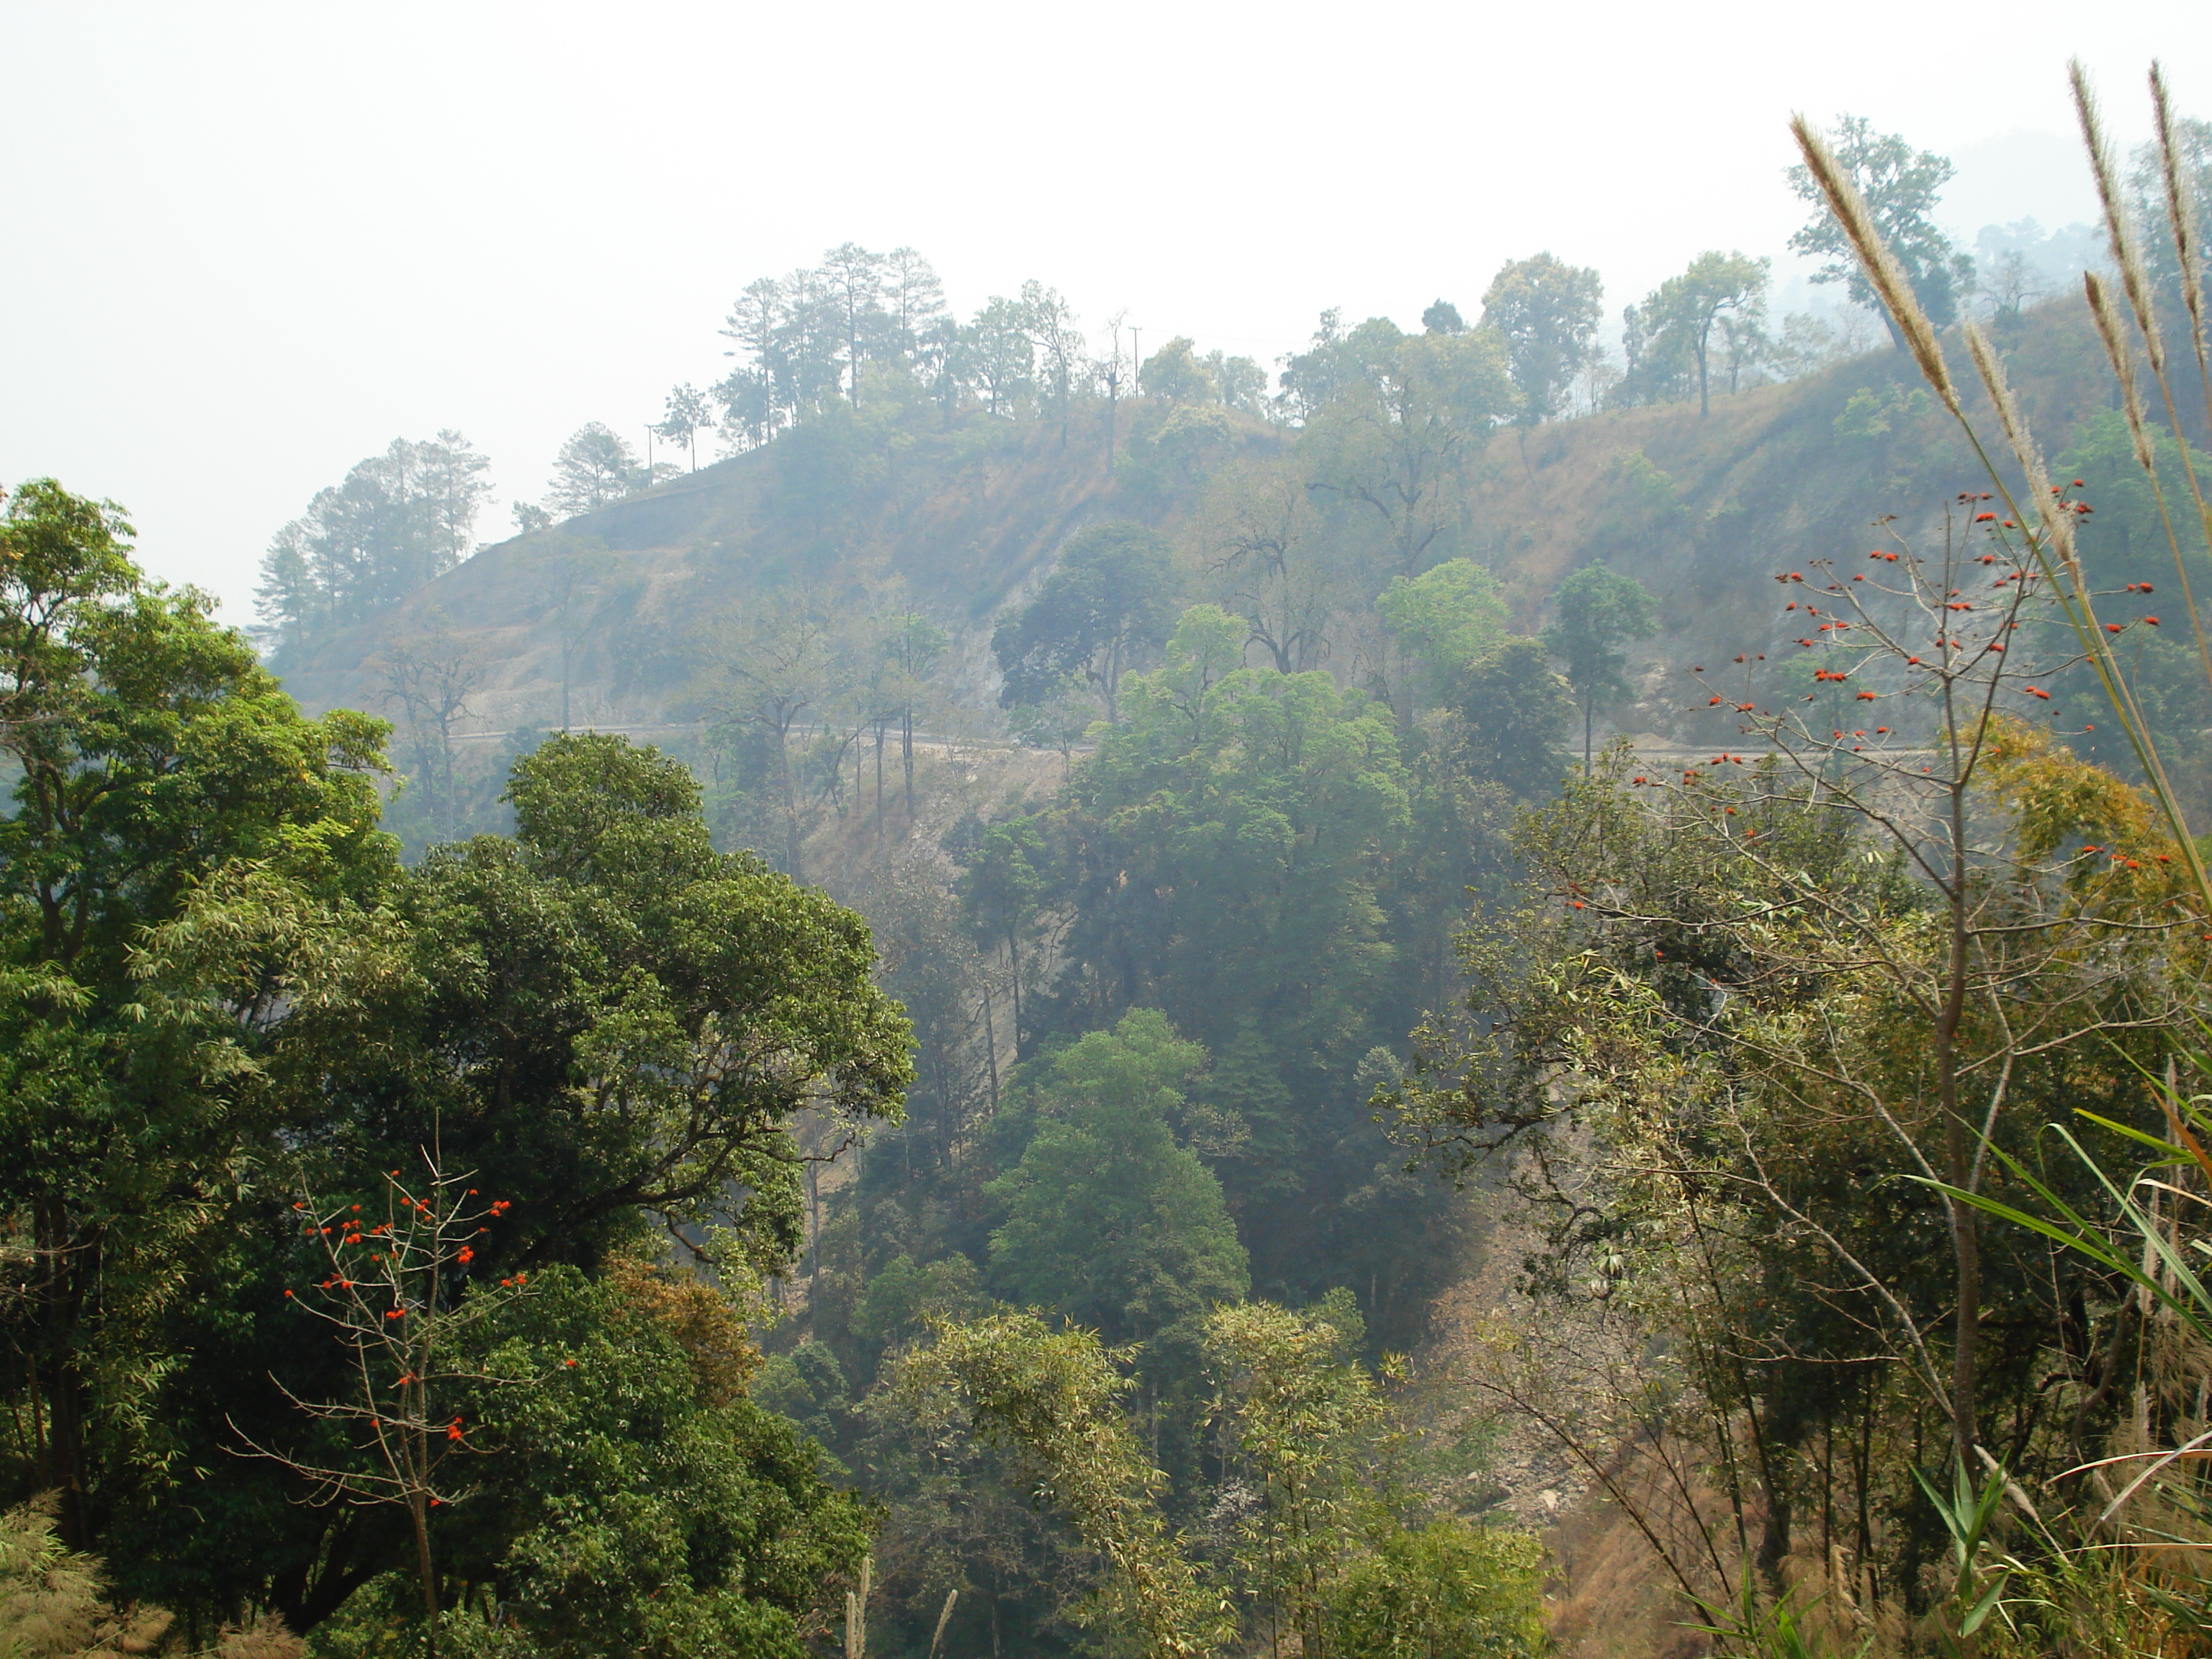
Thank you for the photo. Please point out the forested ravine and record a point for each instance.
(1470, 998)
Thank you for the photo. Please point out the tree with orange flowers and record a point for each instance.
(397, 1297)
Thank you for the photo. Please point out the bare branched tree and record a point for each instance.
(397, 1296)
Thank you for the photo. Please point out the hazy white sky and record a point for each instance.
(249, 245)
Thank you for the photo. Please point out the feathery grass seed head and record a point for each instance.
(2181, 206)
(1882, 267)
(2057, 525)
(2109, 331)
(2119, 231)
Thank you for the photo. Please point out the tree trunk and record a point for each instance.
(1958, 1151)
(791, 853)
(418, 1512)
(813, 1234)
(64, 1448)
(906, 758)
(991, 1047)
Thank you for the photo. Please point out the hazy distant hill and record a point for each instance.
(1702, 510)
(963, 519)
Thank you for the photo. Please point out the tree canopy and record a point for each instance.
(1110, 602)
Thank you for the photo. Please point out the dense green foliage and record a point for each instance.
(223, 990)
(1316, 1532)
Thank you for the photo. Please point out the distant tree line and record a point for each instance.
(862, 328)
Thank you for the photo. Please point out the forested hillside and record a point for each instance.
(626, 615)
(1106, 1004)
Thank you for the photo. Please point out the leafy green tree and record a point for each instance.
(216, 969)
(1109, 603)
(1059, 347)
(1248, 815)
(1599, 610)
(914, 298)
(398, 520)
(687, 413)
(1514, 713)
(1336, 362)
(1052, 1398)
(1547, 312)
(1401, 416)
(639, 1501)
(1108, 1220)
(1899, 186)
(855, 279)
(1000, 355)
(1174, 375)
(595, 466)
(1657, 365)
(154, 766)
(1058, 720)
(1328, 1539)
(808, 1386)
(1450, 617)
(809, 333)
(625, 1020)
(1448, 1587)
(1310, 1432)
(750, 395)
(1728, 290)
(1240, 382)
